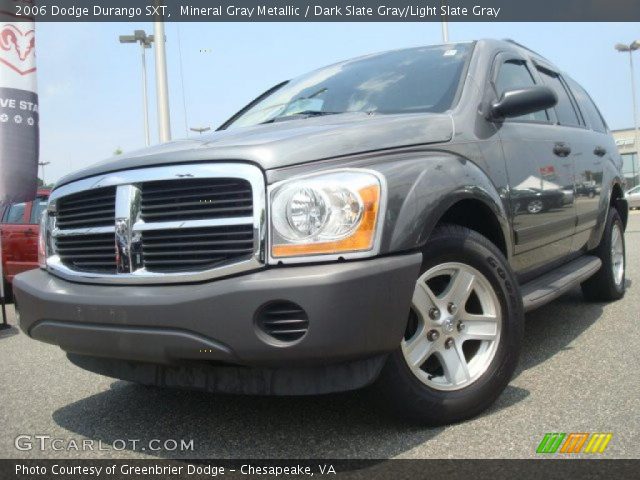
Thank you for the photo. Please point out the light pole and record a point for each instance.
(162, 88)
(43, 164)
(200, 130)
(632, 47)
(139, 36)
(445, 31)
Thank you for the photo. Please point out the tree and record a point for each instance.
(117, 151)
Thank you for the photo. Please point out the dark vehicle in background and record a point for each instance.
(19, 227)
(356, 225)
(535, 200)
(587, 189)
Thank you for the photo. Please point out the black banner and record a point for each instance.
(328, 10)
(18, 108)
(18, 145)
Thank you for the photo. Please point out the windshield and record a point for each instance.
(421, 79)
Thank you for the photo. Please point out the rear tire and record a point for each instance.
(609, 282)
(431, 391)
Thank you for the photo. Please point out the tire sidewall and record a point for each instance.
(605, 253)
(476, 251)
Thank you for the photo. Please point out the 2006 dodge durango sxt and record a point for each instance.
(386, 220)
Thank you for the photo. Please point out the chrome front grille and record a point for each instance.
(95, 208)
(164, 224)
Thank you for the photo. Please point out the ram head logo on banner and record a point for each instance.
(18, 106)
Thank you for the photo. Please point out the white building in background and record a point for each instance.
(625, 140)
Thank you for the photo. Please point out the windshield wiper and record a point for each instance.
(299, 115)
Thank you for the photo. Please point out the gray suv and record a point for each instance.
(383, 221)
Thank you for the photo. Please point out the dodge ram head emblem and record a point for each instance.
(15, 48)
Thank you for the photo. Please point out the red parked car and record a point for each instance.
(19, 230)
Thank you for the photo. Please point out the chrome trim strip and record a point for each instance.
(141, 226)
(128, 245)
(56, 232)
(128, 225)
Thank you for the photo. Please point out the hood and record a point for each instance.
(288, 142)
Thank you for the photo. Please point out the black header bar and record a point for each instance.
(321, 10)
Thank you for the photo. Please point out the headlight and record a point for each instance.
(42, 240)
(328, 213)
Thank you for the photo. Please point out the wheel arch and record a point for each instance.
(477, 215)
(618, 202)
(445, 188)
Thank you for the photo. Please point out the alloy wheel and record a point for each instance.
(454, 327)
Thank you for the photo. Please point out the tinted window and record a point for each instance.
(15, 213)
(514, 75)
(38, 207)
(587, 106)
(421, 79)
(564, 108)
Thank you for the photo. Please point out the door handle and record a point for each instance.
(29, 232)
(561, 149)
(599, 151)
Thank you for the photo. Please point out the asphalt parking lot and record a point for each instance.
(579, 372)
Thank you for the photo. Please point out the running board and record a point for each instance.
(550, 286)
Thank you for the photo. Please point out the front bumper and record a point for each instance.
(355, 309)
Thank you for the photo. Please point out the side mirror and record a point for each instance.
(514, 103)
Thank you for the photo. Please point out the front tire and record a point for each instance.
(463, 336)
(609, 282)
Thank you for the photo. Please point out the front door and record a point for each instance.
(540, 168)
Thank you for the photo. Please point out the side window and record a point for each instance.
(38, 207)
(587, 106)
(567, 115)
(15, 213)
(514, 74)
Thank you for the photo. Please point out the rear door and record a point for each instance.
(539, 165)
(15, 230)
(600, 148)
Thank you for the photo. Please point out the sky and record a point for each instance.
(91, 94)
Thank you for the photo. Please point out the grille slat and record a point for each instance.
(72, 252)
(155, 197)
(164, 187)
(93, 208)
(283, 321)
(195, 199)
(171, 250)
(197, 213)
(213, 203)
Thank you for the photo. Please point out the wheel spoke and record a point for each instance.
(417, 350)
(454, 364)
(480, 327)
(460, 288)
(423, 300)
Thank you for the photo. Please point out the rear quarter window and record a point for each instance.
(587, 106)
